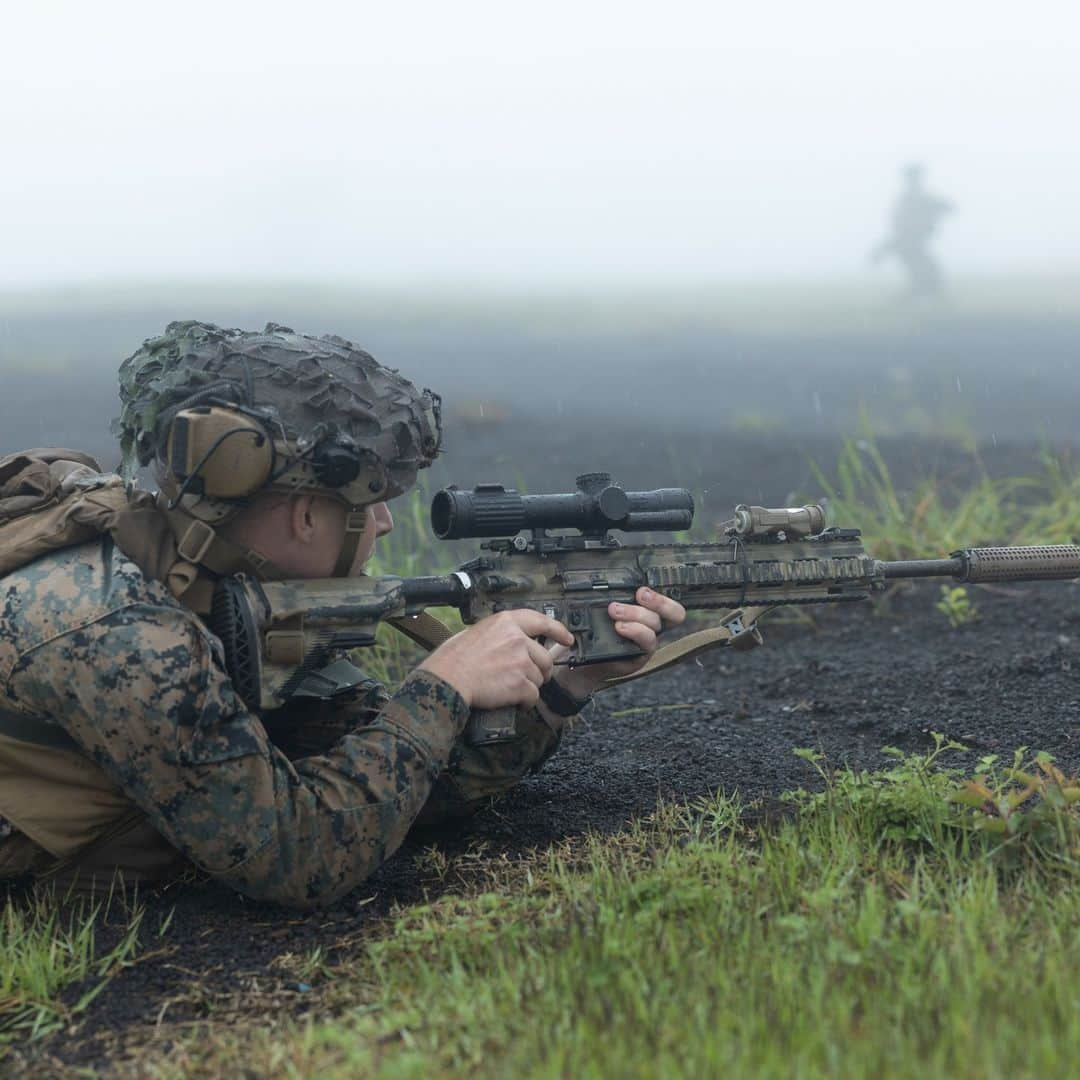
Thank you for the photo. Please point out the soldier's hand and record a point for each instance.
(641, 623)
(498, 661)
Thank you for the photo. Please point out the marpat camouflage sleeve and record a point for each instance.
(475, 775)
(140, 689)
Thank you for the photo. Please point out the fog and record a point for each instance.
(603, 213)
(495, 143)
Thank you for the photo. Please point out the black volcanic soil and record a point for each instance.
(852, 681)
(849, 685)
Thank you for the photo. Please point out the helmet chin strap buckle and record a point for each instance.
(195, 543)
(355, 523)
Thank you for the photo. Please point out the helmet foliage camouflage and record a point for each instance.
(307, 390)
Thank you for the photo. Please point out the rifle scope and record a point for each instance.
(597, 506)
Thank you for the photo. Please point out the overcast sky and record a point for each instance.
(435, 141)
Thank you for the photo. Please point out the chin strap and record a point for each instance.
(355, 523)
(200, 548)
(198, 544)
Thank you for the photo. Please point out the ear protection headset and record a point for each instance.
(231, 452)
(218, 454)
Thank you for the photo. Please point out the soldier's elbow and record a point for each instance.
(300, 895)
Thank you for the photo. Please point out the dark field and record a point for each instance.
(645, 369)
(734, 418)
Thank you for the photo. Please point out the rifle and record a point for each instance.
(280, 637)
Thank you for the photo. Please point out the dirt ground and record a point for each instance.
(847, 683)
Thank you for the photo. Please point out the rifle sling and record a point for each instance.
(692, 645)
(429, 632)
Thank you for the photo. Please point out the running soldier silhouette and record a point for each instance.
(916, 217)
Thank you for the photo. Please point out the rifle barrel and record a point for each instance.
(1041, 562)
(914, 568)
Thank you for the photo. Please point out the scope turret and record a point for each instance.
(598, 505)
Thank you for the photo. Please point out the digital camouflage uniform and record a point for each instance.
(90, 646)
(116, 701)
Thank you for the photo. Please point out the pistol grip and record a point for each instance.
(486, 727)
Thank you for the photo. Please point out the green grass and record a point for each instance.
(913, 922)
(47, 948)
(882, 929)
(408, 551)
(930, 520)
(933, 518)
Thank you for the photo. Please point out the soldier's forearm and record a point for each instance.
(171, 732)
(356, 803)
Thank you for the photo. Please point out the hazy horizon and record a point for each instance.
(605, 142)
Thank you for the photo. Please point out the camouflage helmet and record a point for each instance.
(323, 402)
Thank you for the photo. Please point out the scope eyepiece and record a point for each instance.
(597, 506)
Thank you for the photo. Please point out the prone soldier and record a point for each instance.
(124, 745)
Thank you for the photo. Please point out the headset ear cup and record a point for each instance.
(219, 453)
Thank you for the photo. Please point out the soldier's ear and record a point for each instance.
(303, 517)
